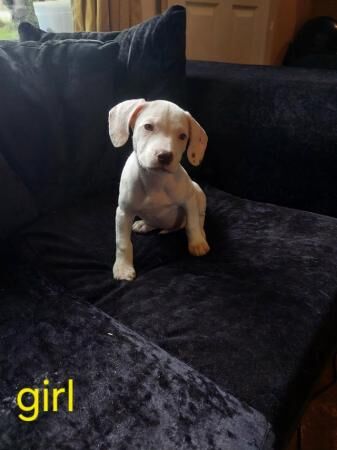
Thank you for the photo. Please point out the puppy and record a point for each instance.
(154, 186)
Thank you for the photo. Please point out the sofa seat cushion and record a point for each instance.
(128, 393)
(257, 315)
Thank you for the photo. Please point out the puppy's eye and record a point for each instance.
(182, 136)
(148, 127)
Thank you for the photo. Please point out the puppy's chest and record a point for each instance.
(156, 200)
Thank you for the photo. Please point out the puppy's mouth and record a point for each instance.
(160, 169)
(156, 168)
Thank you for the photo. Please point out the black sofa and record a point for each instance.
(219, 352)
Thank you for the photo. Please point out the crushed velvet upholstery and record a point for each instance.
(13, 213)
(257, 315)
(272, 132)
(29, 32)
(128, 393)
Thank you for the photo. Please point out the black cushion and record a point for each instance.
(18, 209)
(153, 51)
(29, 32)
(55, 99)
(257, 315)
(128, 393)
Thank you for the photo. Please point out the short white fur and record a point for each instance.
(154, 186)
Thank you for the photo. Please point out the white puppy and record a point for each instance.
(154, 186)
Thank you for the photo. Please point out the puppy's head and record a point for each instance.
(161, 133)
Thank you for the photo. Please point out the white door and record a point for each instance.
(226, 30)
(246, 22)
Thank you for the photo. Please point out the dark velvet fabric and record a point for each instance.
(13, 213)
(55, 99)
(257, 315)
(29, 32)
(272, 132)
(62, 139)
(325, 61)
(128, 393)
(153, 51)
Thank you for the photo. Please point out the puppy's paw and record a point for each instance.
(199, 248)
(123, 271)
(140, 226)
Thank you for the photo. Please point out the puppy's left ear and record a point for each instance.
(121, 118)
(197, 143)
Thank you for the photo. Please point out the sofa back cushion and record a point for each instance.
(272, 132)
(29, 32)
(13, 213)
(55, 99)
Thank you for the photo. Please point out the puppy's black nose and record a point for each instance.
(165, 158)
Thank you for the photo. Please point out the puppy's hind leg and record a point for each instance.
(140, 226)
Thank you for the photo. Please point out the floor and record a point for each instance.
(318, 430)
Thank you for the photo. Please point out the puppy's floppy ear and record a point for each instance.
(197, 143)
(121, 118)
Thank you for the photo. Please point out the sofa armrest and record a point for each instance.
(272, 132)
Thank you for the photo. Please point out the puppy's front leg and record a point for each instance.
(123, 268)
(197, 244)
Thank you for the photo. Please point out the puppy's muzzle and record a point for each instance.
(165, 158)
